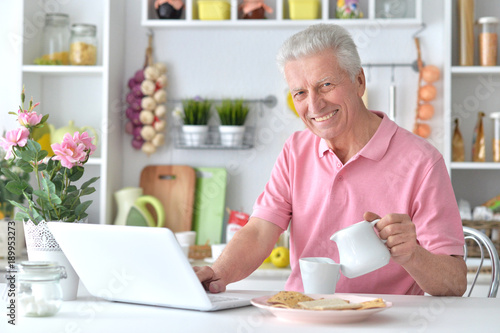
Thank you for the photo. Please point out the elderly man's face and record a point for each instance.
(324, 96)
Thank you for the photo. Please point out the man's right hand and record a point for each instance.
(209, 279)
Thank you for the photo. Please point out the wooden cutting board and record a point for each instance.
(174, 186)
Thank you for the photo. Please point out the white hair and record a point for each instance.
(318, 38)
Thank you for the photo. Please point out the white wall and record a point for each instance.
(234, 62)
(10, 61)
(239, 62)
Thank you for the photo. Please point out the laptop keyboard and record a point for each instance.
(218, 298)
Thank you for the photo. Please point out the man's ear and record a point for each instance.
(361, 82)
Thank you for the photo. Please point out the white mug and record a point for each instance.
(360, 249)
(186, 237)
(319, 275)
(217, 250)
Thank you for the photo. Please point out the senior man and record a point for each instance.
(349, 164)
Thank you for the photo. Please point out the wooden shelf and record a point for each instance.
(279, 18)
(475, 166)
(63, 70)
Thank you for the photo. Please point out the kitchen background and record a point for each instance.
(217, 62)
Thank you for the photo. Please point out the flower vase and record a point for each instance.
(195, 135)
(42, 246)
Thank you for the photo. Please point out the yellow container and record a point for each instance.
(304, 9)
(214, 10)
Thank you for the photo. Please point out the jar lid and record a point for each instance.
(81, 28)
(56, 17)
(487, 20)
(39, 271)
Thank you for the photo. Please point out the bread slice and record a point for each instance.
(328, 304)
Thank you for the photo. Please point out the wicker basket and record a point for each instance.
(487, 227)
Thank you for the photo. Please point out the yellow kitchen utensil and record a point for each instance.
(289, 102)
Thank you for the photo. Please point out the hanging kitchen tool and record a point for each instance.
(174, 186)
(392, 97)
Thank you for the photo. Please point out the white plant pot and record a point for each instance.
(42, 246)
(231, 136)
(195, 135)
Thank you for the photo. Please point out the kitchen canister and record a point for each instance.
(55, 40)
(488, 41)
(39, 293)
(466, 32)
(83, 45)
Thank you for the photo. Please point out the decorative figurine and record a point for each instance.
(169, 9)
(254, 9)
(347, 9)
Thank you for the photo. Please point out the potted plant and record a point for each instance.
(195, 115)
(55, 196)
(232, 115)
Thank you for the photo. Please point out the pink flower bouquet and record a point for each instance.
(56, 198)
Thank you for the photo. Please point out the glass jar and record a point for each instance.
(83, 45)
(39, 293)
(488, 41)
(55, 40)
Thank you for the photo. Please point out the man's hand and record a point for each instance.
(436, 274)
(209, 279)
(400, 233)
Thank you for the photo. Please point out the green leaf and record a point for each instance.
(34, 146)
(25, 166)
(16, 187)
(75, 173)
(10, 175)
(87, 191)
(71, 188)
(88, 182)
(27, 155)
(81, 208)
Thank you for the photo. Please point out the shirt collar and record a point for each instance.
(377, 146)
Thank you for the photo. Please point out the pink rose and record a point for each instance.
(27, 119)
(69, 152)
(86, 140)
(16, 137)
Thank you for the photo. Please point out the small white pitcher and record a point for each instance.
(360, 249)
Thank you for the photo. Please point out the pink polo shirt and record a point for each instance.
(396, 172)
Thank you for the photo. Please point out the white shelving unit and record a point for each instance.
(469, 89)
(372, 9)
(88, 95)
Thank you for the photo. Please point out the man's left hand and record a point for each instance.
(400, 233)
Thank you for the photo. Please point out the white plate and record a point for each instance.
(324, 317)
(209, 260)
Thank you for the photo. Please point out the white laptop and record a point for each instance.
(142, 265)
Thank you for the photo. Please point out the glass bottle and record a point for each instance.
(83, 45)
(55, 41)
(495, 116)
(488, 41)
(39, 293)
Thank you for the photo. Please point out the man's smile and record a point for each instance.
(328, 116)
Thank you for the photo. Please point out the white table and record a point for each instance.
(408, 314)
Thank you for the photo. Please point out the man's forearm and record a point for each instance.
(436, 274)
(247, 250)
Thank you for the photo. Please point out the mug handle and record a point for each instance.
(373, 225)
(143, 200)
